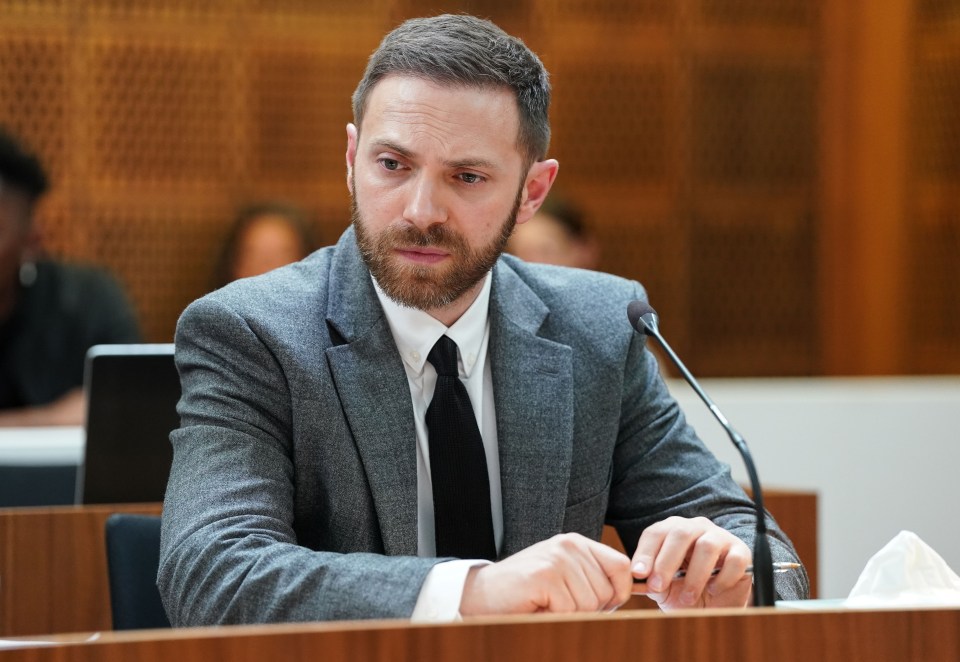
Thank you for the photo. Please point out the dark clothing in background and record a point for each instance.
(57, 319)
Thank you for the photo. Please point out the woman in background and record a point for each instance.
(264, 236)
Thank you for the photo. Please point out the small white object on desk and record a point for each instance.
(907, 572)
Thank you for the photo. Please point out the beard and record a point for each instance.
(426, 287)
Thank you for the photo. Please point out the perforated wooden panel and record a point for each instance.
(158, 119)
(34, 93)
(753, 123)
(934, 208)
(646, 11)
(752, 285)
(935, 11)
(801, 13)
(301, 102)
(159, 113)
(688, 130)
(610, 122)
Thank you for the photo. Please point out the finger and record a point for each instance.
(704, 556)
(672, 556)
(733, 568)
(651, 540)
(598, 570)
(614, 577)
(583, 577)
(737, 595)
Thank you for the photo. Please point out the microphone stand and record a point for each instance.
(763, 591)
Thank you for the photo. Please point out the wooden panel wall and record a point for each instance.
(53, 564)
(933, 210)
(782, 176)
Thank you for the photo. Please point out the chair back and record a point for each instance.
(133, 556)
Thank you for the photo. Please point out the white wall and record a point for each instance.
(883, 455)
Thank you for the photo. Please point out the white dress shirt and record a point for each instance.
(415, 333)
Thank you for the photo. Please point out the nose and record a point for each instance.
(424, 205)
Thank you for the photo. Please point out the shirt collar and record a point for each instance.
(416, 332)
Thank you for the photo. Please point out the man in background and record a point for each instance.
(50, 312)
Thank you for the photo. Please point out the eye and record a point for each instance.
(470, 178)
(390, 164)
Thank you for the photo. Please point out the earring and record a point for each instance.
(28, 273)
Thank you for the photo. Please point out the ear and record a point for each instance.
(351, 154)
(539, 179)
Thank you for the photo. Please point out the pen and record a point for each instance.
(777, 567)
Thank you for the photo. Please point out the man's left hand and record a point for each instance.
(697, 546)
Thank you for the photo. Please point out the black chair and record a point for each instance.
(133, 556)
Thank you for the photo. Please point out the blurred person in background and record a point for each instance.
(51, 313)
(556, 234)
(263, 236)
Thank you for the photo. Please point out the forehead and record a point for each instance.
(413, 113)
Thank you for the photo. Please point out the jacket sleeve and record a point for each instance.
(229, 551)
(662, 469)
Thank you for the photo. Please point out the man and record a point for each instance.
(50, 312)
(309, 481)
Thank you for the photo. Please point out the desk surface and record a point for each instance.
(748, 635)
(41, 445)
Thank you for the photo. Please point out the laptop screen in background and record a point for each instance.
(132, 393)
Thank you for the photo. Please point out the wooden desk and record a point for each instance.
(53, 563)
(53, 568)
(749, 635)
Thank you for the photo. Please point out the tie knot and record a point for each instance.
(443, 357)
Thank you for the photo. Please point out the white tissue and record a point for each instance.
(906, 572)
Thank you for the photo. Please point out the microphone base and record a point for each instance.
(764, 594)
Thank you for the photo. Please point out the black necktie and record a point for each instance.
(458, 466)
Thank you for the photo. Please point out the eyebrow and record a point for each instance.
(458, 163)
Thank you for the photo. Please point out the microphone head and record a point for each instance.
(643, 317)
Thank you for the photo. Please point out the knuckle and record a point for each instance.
(605, 595)
(567, 541)
(710, 545)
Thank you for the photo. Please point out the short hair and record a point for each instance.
(456, 49)
(19, 169)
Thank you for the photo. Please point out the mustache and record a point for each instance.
(436, 236)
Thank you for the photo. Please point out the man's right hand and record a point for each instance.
(567, 573)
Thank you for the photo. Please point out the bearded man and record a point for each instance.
(409, 424)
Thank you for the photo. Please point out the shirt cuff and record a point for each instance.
(442, 590)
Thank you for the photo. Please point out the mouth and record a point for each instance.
(423, 255)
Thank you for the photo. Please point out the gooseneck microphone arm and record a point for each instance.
(644, 319)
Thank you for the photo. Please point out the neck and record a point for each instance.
(449, 314)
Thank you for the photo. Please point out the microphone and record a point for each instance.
(643, 318)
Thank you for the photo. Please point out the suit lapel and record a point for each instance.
(373, 389)
(533, 391)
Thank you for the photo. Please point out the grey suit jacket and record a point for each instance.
(293, 491)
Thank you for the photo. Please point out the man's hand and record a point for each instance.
(567, 573)
(697, 546)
